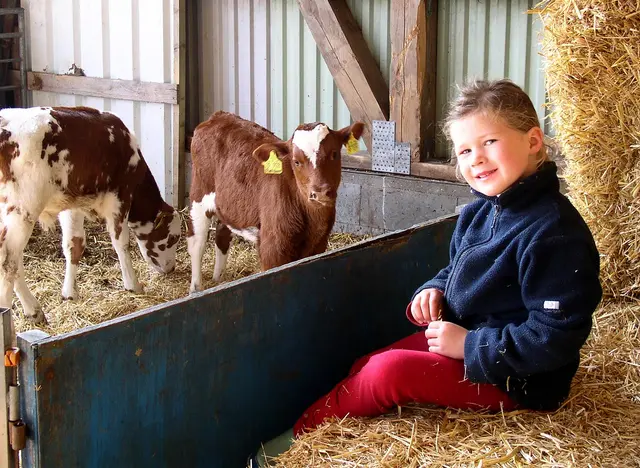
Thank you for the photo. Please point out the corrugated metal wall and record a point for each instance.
(119, 39)
(488, 39)
(258, 58)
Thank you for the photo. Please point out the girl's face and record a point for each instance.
(491, 155)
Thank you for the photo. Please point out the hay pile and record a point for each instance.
(100, 289)
(592, 53)
(597, 426)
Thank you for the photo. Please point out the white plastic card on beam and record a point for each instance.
(383, 143)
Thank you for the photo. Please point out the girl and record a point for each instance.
(505, 320)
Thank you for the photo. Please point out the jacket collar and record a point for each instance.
(528, 189)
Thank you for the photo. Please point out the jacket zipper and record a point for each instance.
(454, 269)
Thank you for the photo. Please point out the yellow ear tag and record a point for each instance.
(272, 165)
(352, 145)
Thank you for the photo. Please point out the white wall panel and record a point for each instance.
(116, 39)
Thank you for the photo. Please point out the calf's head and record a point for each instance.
(313, 156)
(158, 239)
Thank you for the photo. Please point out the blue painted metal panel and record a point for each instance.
(28, 399)
(203, 380)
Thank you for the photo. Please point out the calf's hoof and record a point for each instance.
(138, 289)
(69, 295)
(37, 318)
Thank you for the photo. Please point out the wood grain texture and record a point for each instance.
(414, 27)
(353, 67)
(131, 90)
(179, 108)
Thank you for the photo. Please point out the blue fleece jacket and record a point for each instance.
(524, 280)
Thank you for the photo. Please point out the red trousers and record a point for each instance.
(402, 373)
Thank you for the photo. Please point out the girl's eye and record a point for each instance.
(490, 142)
(464, 152)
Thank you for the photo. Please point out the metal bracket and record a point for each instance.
(383, 143)
(387, 155)
(402, 158)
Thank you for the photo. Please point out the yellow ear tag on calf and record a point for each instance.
(352, 145)
(272, 165)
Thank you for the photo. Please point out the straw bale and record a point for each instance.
(597, 426)
(592, 70)
(100, 288)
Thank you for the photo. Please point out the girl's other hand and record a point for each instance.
(446, 338)
(427, 306)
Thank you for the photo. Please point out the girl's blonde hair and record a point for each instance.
(500, 98)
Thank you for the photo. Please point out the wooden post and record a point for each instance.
(412, 86)
(179, 78)
(7, 340)
(192, 93)
(353, 67)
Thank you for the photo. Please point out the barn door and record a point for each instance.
(122, 56)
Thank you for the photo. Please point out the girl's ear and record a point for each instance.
(536, 140)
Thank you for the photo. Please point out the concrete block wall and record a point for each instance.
(374, 203)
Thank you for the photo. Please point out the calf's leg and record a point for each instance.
(119, 233)
(223, 241)
(15, 230)
(30, 304)
(73, 245)
(197, 235)
(275, 252)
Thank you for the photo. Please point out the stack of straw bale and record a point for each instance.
(592, 65)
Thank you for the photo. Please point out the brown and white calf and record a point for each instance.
(289, 214)
(73, 162)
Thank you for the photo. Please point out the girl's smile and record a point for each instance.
(486, 174)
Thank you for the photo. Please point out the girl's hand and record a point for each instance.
(427, 306)
(446, 338)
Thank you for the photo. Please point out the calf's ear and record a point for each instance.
(356, 129)
(262, 152)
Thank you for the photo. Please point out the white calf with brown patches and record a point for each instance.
(288, 211)
(72, 163)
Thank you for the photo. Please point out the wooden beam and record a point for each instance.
(414, 29)
(166, 93)
(436, 171)
(192, 92)
(439, 171)
(353, 67)
(179, 108)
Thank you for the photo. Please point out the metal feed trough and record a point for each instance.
(202, 381)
